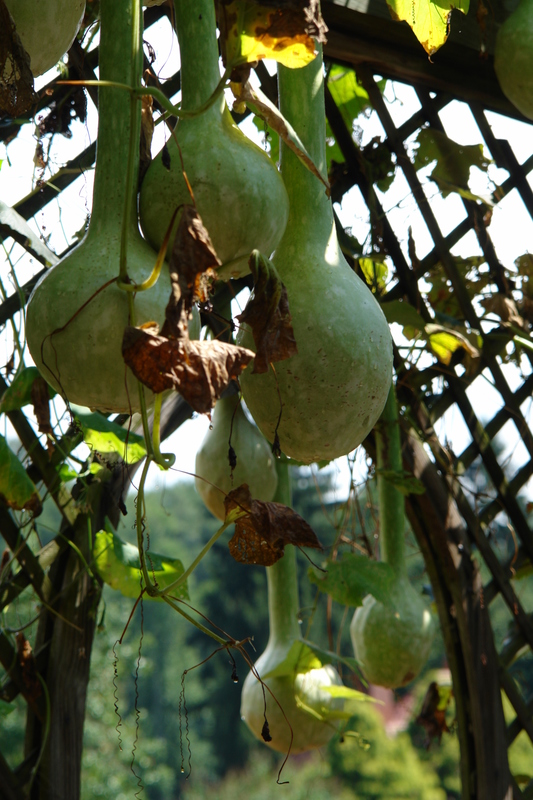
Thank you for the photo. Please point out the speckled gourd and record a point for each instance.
(238, 190)
(334, 390)
(392, 642)
(84, 361)
(292, 690)
(46, 28)
(513, 57)
(255, 463)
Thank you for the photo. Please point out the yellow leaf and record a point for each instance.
(430, 21)
(251, 32)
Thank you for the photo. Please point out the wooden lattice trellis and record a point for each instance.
(449, 528)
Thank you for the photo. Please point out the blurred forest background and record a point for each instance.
(386, 755)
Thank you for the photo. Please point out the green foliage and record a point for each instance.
(18, 394)
(388, 769)
(118, 565)
(17, 489)
(108, 437)
(453, 161)
(353, 577)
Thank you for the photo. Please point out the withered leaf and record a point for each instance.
(192, 266)
(28, 669)
(40, 398)
(432, 715)
(147, 132)
(199, 371)
(16, 84)
(263, 531)
(268, 315)
(252, 30)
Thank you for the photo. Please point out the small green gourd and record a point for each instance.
(392, 642)
(333, 391)
(46, 28)
(84, 360)
(237, 188)
(513, 57)
(292, 691)
(255, 463)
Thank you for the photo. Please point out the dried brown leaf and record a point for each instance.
(262, 533)
(147, 132)
(16, 84)
(199, 371)
(192, 267)
(268, 315)
(27, 665)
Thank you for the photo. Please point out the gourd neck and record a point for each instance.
(390, 499)
(301, 99)
(282, 580)
(199, 71)
(119, 117)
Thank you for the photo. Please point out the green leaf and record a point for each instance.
(118, 565)
(328, 657)
(66, 473)
(16, 488)
(5, 708)
(429, 19)
(300, 658)
(350, 97)
(375, 273)
(403, 313)
(453, 161)
(347, 693)
(18, 394)
(353, 577)
(403, 481)
(445, 341)
(107, 437)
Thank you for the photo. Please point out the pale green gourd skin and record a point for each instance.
(334, 389)
(309, 732)
(84, 362)
(513, 58)
(392, 645)
(255, 463)
(239, 193)
(46, 28)
(283, 613)
(238, 190)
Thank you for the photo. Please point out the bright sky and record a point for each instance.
(511, 227)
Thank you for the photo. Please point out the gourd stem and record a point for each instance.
(301, 99)
(135, 104)
(203, 552)
(199, 72)
(282, 579)
(119, 119)
(390, 499)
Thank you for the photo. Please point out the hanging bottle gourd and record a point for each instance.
(513, 57)
(255, 463)
(74, 330)
(296, 690)
(238, 190)
(392, 642)
(333, 391)
(46, 28)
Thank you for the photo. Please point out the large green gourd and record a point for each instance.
(84, 361)
(309, 731)
(255, 463)
(334, 390)
(392, 642)
(46, 28)
(513, 57)
(238, 190)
